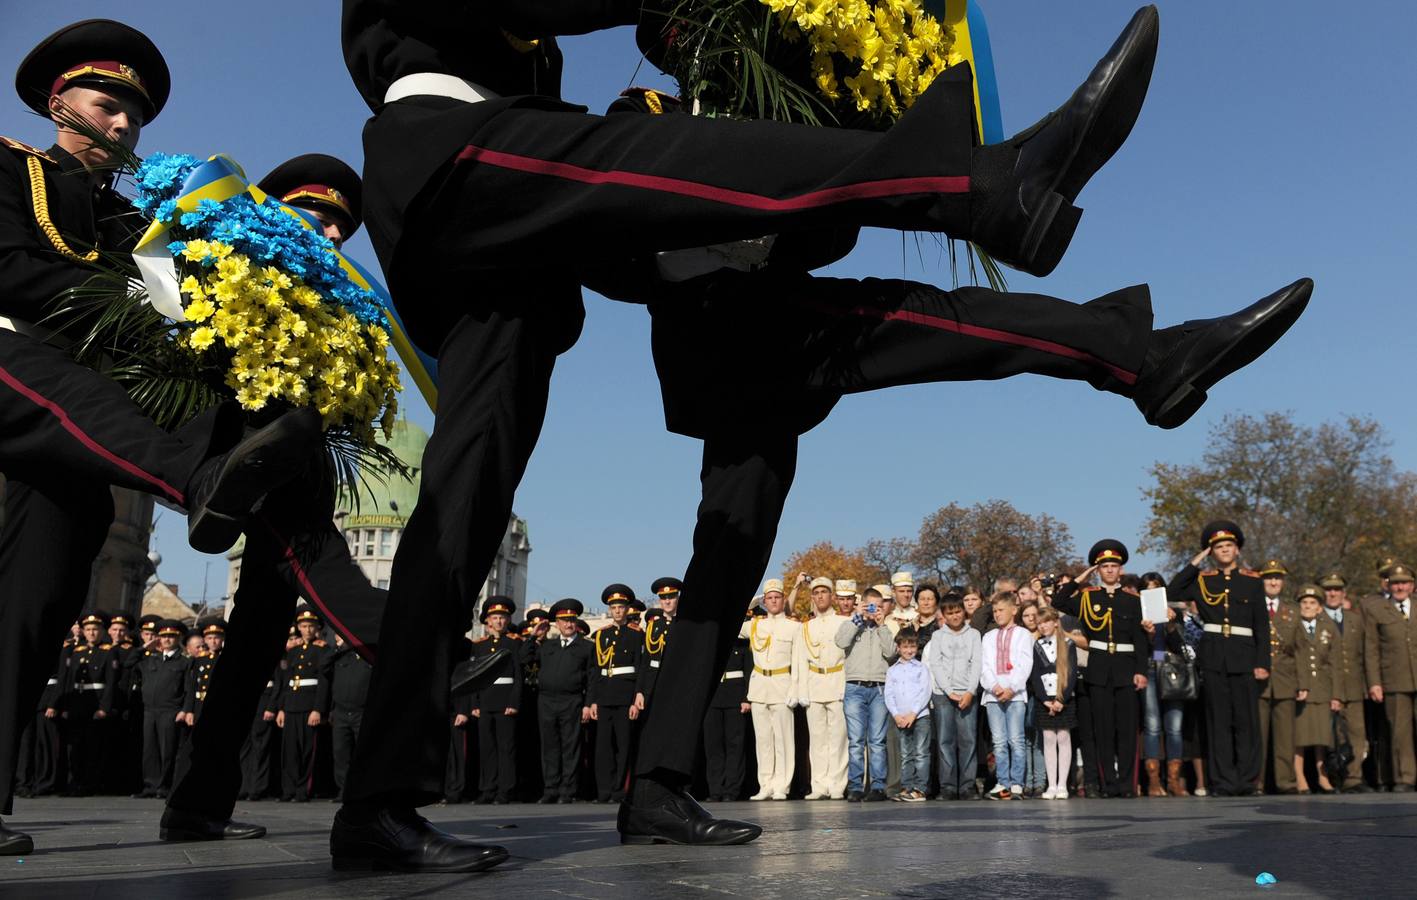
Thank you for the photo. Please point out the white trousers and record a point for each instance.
(772, 729)
(826, 724)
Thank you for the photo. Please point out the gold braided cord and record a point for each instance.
(1212, 599)
(654, 647)
(603, 657)
(814, 650)
(39, 196)
(753, 639)
(653, 102)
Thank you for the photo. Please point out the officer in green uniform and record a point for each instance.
(1276, 704)
(1352, 691)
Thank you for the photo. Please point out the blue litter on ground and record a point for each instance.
(1265, 878)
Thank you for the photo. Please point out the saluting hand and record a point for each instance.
(1200, 557)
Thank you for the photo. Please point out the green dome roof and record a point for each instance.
(389, 503)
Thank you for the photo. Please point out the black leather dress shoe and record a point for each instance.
(854, 796)
(1029, 222)
(14, 843)
(226, 488)
(179, 825)
(402, 840)
(1186, 360)
(677, 818)
(875, 796)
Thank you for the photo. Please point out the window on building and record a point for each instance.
(383, 584)
(368, 542)
(353, 538)
(386, 542)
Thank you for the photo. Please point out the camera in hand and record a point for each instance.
(871, 608)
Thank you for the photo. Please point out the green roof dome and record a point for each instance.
(389, 503)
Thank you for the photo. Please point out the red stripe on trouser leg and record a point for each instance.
(89, 443)
(866, 190)
(313, 595)
(996, 335)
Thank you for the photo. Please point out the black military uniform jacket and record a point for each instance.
(164, 681)
(656, 639)
(129, 692)
(349, 682)
(615, 680)
(198, 677)
(89, 665)
(732, 689)
(504, 690)
(32, 269)
(51, 696)
(566, 671)
(1118, 648)
(1236, 600)
(299, 687)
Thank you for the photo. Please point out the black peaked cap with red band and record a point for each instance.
(97, 52)
(318, 180)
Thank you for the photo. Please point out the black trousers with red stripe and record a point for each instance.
(494, 372)
(66, 434)
(275, 568)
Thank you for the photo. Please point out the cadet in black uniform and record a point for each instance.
(725, 725)
(348, 673)
(535, 626)
(495, 706)
(129, 777)
(259, 759)
(164, 674)
(567, 662)
(1118, 649)
(657, 625)
(117, 772)
(614, 689)
(41, 758)
(90, 682)
(212, 633)
(302, 699)
(66, 432)
(1234, 655)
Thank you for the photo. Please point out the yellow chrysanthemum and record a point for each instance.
(201, 338)
(199, 310)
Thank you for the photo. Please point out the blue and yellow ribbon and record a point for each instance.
(220, 179)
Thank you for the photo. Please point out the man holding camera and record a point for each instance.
(869, 646)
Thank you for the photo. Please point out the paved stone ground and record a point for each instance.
(1350, 846)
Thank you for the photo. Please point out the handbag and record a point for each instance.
(1341, 756)
(1176, 678)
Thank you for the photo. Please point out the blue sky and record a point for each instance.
(1276, 142)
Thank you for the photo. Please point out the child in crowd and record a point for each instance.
(953, 656)
(1052, 685)
(908, 701)
(1006, 664)
(1316, 657)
